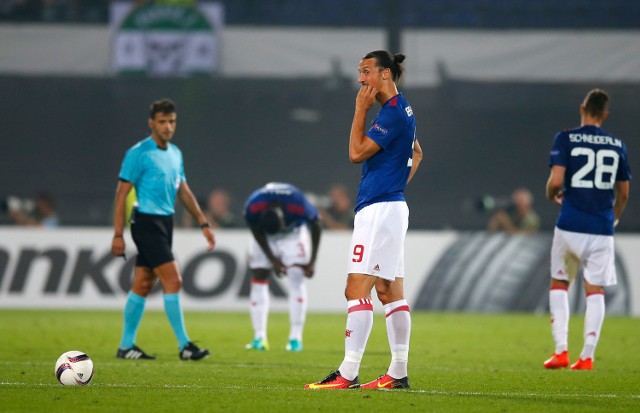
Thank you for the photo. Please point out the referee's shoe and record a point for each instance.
(133, 353)
(193, 352)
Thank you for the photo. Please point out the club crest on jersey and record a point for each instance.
(379, 129)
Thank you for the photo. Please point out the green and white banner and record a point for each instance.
(163, 40)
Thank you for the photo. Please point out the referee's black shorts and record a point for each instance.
(153, 235)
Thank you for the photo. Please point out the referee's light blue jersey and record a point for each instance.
(156, 175)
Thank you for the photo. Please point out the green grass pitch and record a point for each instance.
(458, 362)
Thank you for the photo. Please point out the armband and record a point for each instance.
(205, 225)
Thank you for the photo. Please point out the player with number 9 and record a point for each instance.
(590, 180)
(390, 154)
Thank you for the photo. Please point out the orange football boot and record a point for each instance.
(334, 381)
(557, 361)
(586, 364)
(387, 382)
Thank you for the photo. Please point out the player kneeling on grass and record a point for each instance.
(590, 179)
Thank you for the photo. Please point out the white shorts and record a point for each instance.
(594, 253)
(291, 248)
(377, 243)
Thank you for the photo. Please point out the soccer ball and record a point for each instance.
(74, 368)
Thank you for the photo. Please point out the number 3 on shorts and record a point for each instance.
(358, 252)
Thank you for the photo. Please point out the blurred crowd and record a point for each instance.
(224, 211)
(39, 211)
(362, 13)
(514, 215)
(84, 11)
(87, 11)
(517, 217)
(78, 11)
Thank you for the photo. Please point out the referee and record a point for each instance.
(154, 167)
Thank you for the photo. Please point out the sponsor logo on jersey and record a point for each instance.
(376, 268)
(380, 129)
(348, 333)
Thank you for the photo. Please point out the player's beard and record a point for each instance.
(164, 137)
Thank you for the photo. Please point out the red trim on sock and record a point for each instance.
(558, 287)
(601, 293)
(257, 281)
(365, 305)
(361, 307)
(401, 308)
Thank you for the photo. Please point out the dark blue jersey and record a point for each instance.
(594, 160)
(297, 209)
(385, 174)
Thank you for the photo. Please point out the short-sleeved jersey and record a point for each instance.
(594, 160)
(296, 207)
(156, 175)
(385, 174)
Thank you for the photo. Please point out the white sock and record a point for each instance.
(398, 332)
(297, 302)
(593, 319)
(359, 324)
(259, 297)
(559, 308)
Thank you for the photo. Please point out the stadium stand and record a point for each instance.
(485, 14)
(474, 145)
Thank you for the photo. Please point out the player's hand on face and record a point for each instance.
(117, 246)
(366, 97)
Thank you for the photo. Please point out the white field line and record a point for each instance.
(418, 391)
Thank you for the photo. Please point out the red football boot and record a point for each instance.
(586, 364)
(334, 381)
(387, 382)
(557, 361)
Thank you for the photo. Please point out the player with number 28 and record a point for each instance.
(590, 179)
